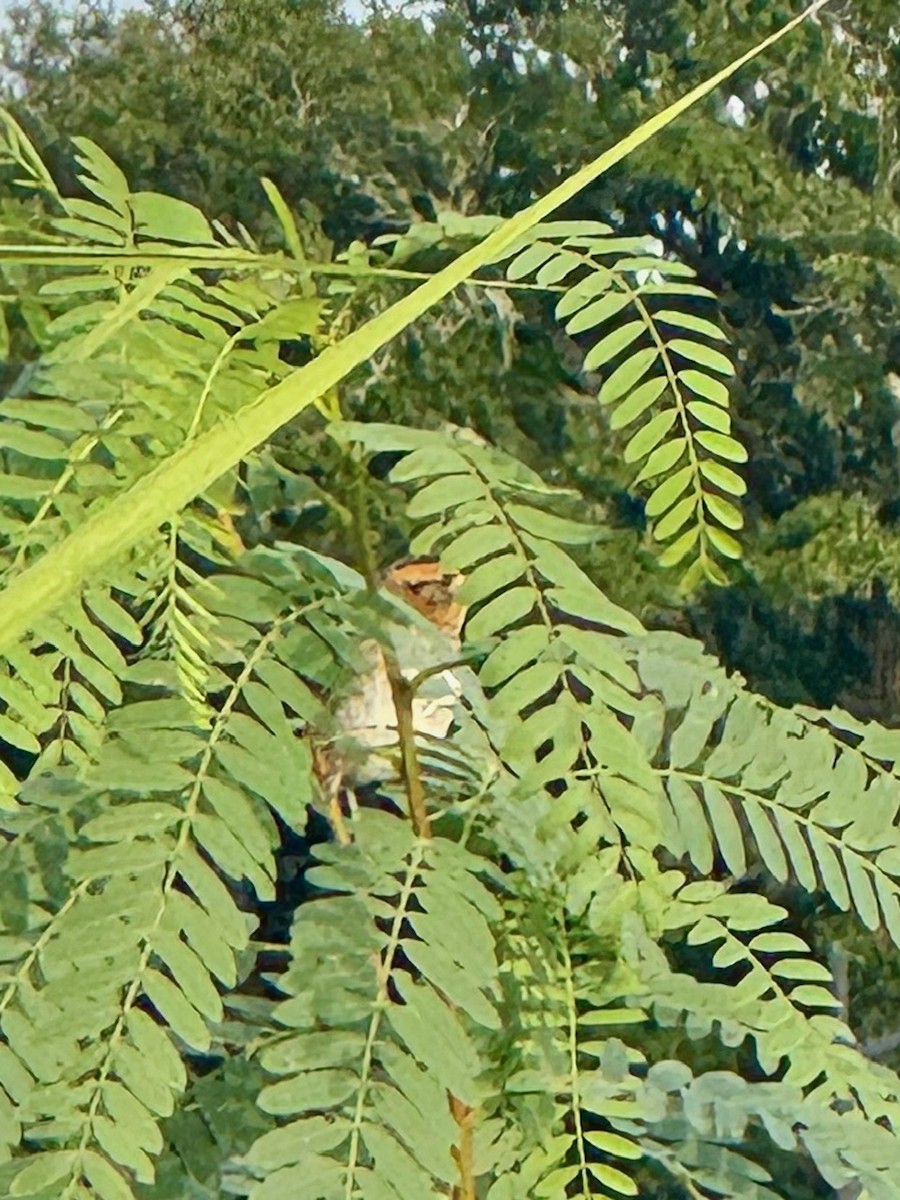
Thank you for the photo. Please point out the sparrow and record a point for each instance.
(360, 752)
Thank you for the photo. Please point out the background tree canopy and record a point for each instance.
(781, 192)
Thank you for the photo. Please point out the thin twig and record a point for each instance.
(401, 691)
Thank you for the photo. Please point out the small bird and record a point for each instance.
(366, 719)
